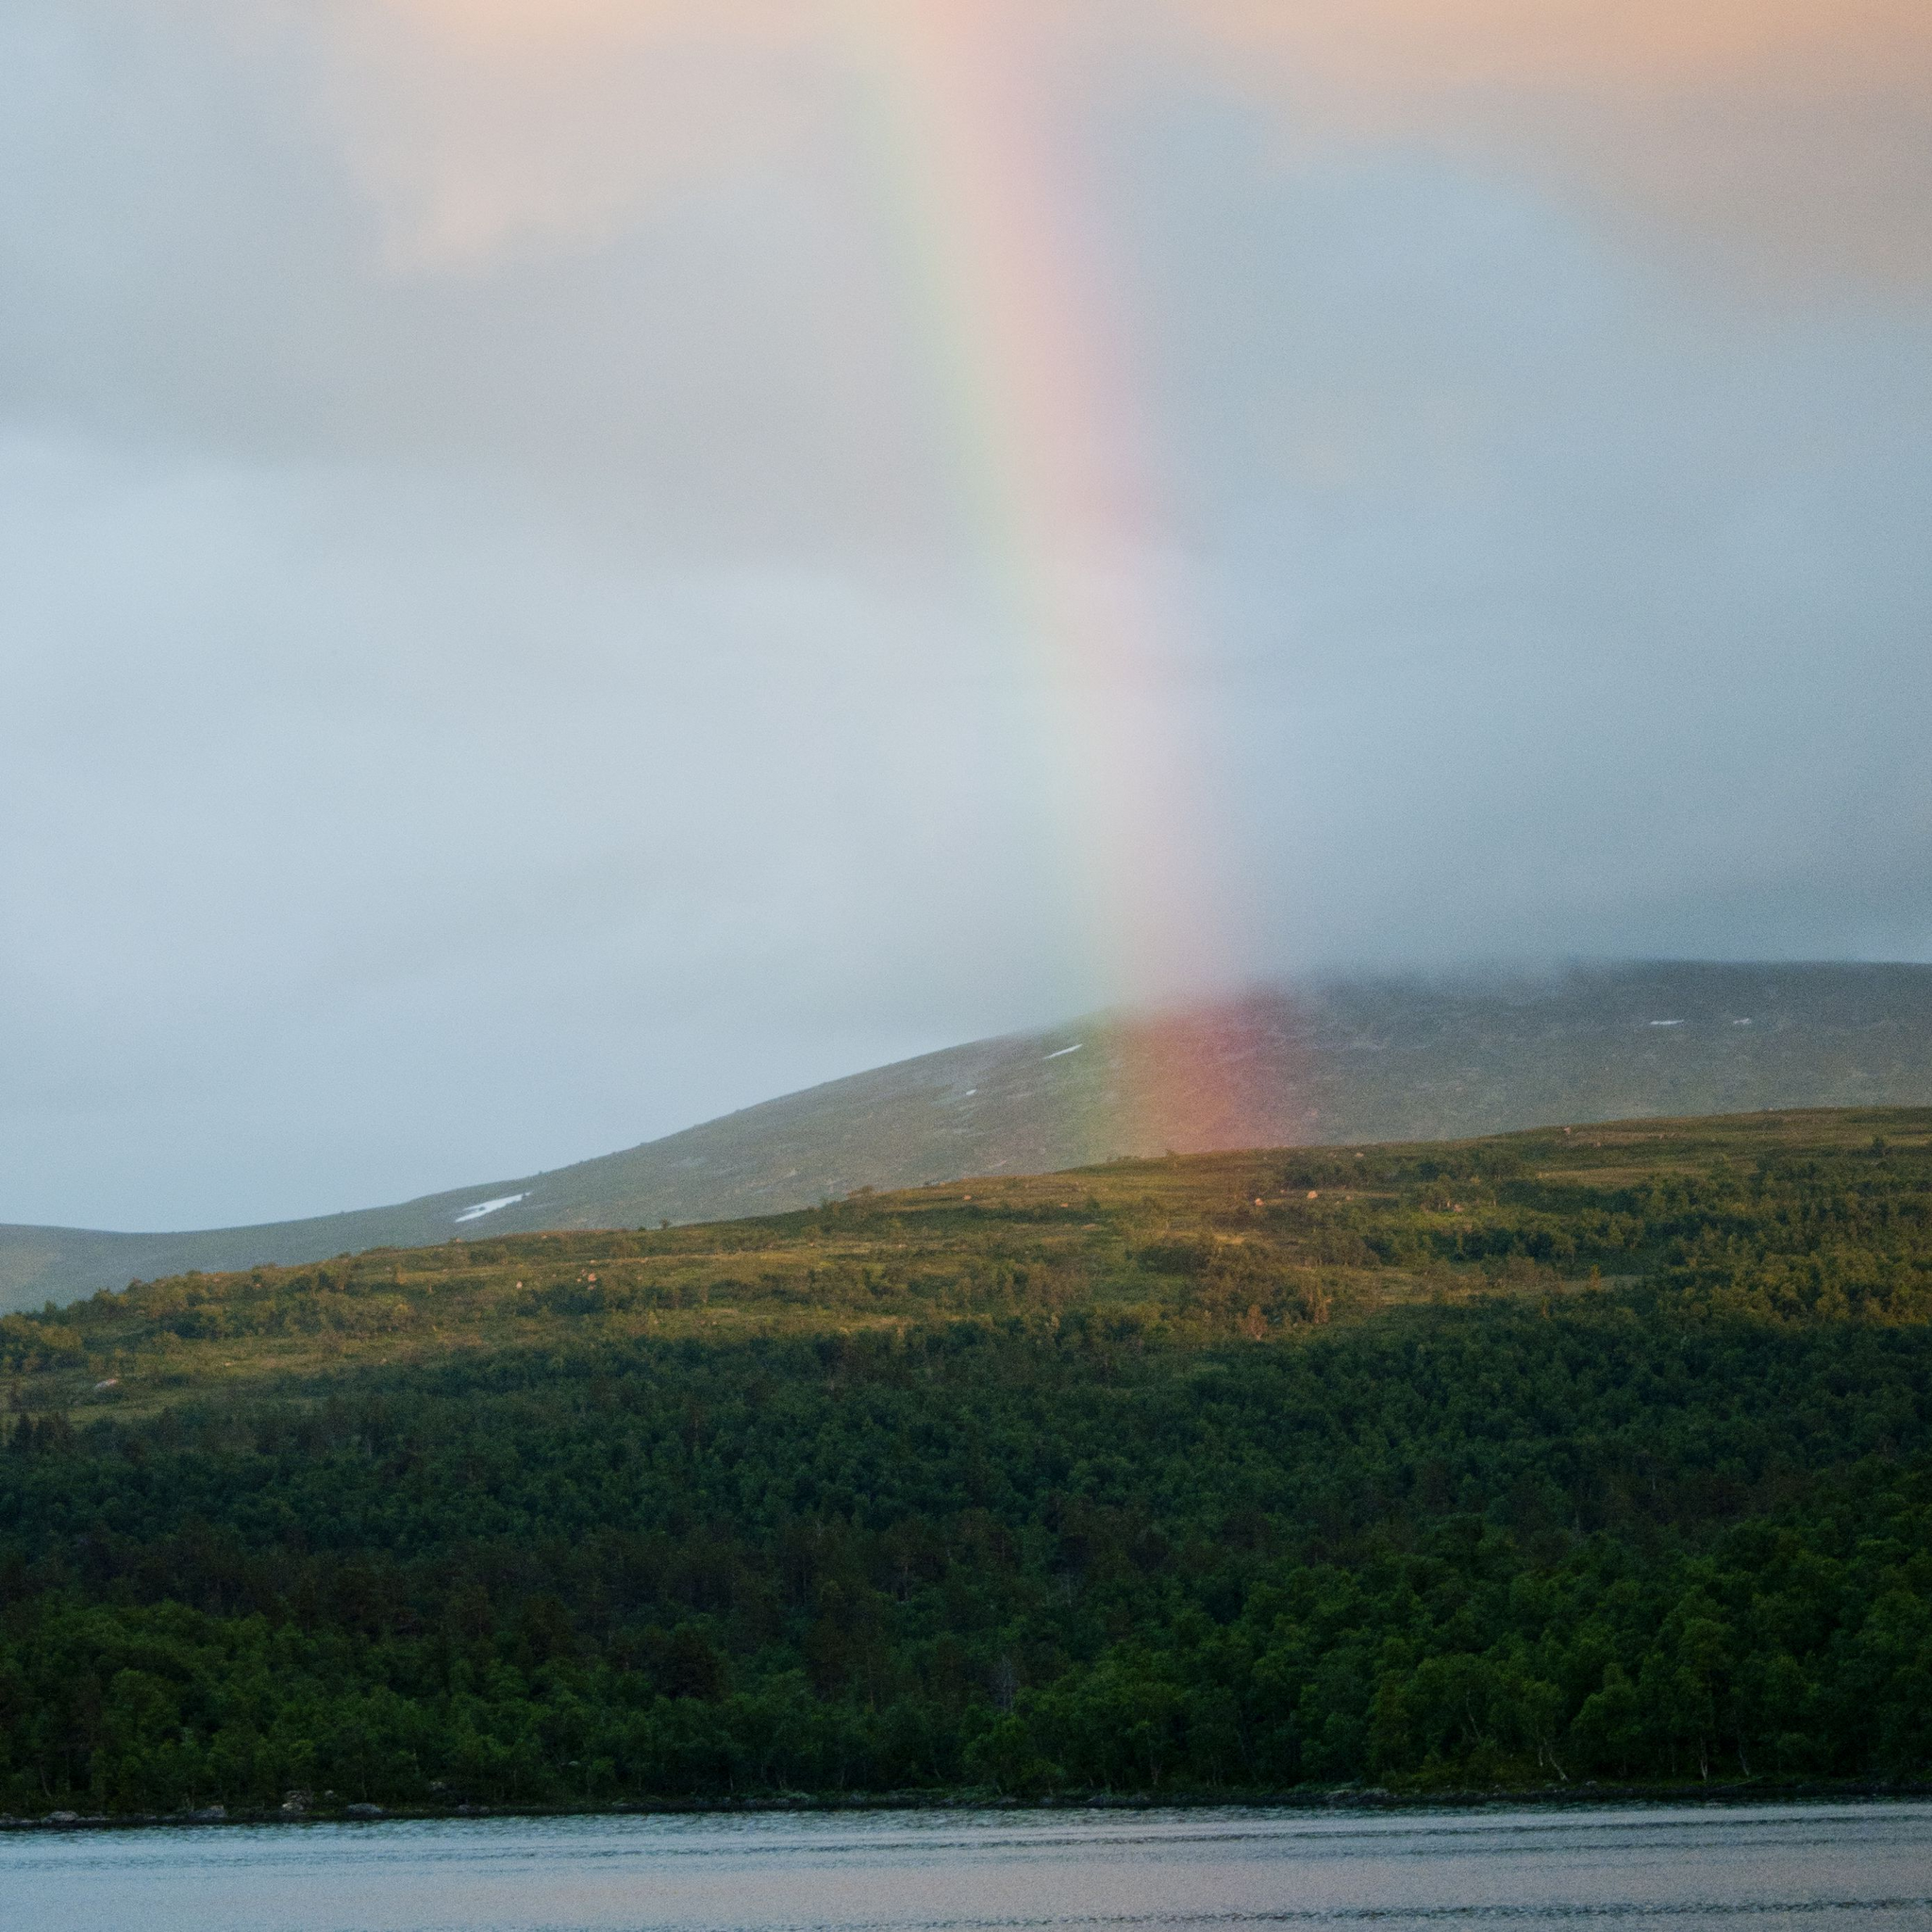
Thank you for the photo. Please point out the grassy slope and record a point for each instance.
(1202, 1247)
(1350, 1062)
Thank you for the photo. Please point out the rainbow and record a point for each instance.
(1041, 419)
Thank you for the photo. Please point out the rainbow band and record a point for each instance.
(1043, 428)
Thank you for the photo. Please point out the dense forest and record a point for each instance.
(1557, 1457)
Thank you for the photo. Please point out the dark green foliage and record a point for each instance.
(1455, 1545)
(1039, 1530)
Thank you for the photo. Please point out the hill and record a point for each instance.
(1567, 1456)
(1341, 1061)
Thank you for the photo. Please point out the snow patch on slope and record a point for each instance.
(483, 1208)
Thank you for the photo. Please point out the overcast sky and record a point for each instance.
(570, 565)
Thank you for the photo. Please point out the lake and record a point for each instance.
(1816, 1867)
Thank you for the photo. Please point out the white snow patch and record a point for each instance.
(1061, 1052)
(483, 1208)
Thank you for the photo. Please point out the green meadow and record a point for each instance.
(1558, 1459)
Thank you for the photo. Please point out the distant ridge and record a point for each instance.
(1389, 1058)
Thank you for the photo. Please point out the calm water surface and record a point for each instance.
(1814, 1867)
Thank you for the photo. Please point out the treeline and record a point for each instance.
(1564, 1456)
(1608, 1538)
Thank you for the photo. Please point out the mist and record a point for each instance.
(503, 654)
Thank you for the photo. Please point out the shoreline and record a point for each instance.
(1343, 1799)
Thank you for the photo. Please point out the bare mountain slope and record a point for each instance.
(1355, 1059)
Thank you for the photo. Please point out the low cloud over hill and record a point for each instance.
(1345, 1060)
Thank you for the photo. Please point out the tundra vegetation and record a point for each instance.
(1562, 1457)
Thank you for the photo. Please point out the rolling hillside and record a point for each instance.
(1341, 1061)
(1599, 1454)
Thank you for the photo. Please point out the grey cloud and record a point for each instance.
(465, 714)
